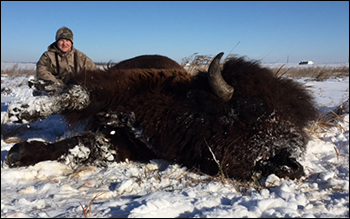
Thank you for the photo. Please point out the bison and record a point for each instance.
(237, 119)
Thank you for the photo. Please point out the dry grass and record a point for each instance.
(323, 123)
(327, 120)
(221, 173)
(195, 63)
(87, 209)
(319, 73)
(15, 71)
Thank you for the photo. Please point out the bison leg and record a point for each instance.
(32, 110)
(73, 98)
(42, 87)
(88, 148)
(31, 152)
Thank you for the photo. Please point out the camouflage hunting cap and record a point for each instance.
(64, 33)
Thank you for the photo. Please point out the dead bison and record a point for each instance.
(238, 120)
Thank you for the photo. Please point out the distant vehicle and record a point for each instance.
(305, 62)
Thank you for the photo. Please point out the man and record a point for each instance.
(60, 60)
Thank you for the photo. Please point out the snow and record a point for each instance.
(296, 65)
(159, 189)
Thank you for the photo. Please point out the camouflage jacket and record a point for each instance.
(73, 62)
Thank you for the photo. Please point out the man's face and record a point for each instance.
(64, 45)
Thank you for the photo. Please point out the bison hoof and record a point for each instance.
(22, 113)
(13, 158)
(17, 113)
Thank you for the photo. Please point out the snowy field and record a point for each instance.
(158, 189)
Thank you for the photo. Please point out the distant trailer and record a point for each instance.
(305, 62)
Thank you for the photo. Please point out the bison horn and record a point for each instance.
(217, 83)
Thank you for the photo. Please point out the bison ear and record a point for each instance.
(217, 83)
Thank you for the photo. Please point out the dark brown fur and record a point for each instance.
(166, 113)
(147, 62)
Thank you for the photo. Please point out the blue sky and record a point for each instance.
(114, 31)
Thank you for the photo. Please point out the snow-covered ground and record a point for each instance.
(159, 189)
(296, 65)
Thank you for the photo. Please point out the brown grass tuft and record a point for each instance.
(15, 71)
(87, 210)
(318, 73)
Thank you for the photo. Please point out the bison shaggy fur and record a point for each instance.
(149, 107)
